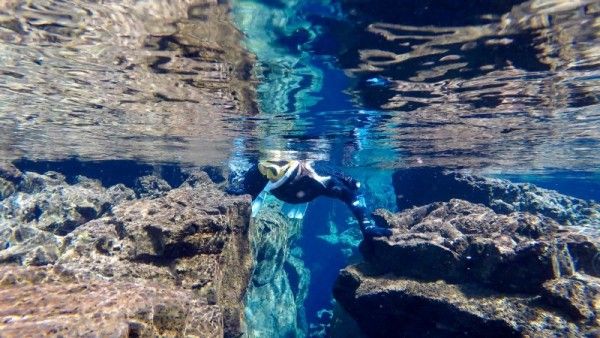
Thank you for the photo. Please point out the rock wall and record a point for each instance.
(279, 283)
(420, 186)
(79, 258)
(456, 268)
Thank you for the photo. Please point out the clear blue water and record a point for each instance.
(489, 87)
(506, 89)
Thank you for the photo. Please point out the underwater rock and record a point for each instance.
(27, 245)
(10, 173)
(390, 306)
(191, 238)
(6, 188)
(119, 193)
(457, 268)
(185, 257)
(50, 302)
(43, 208)
(49, 203)
(196, 178)
(420, 186)
(214, 173)
(10, 176)
(279, 284)
(578, 295)
(459, 241)
(151, 186)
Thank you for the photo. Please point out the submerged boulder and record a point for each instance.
(174, 265)
(459, 241)
(420, 186)
(10, 177)
(151, 186)
(393, 306)
(50, 203)
(457, 268)
(45, 207)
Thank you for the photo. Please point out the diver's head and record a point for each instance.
(273, 169)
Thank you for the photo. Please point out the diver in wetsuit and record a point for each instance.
(296, 182)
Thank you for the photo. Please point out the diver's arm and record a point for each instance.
(347, 190)
(359, 210)
(251, 182)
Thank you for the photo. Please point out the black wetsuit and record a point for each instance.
(302, 186)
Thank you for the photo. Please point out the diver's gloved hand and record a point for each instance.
(375, 231)
(370, 230)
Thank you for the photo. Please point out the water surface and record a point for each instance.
(150, 80)
(501, 85)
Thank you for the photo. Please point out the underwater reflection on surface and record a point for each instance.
(514, 89)
(502, 85)
(151, 80)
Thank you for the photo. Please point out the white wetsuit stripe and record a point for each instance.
(321, 179)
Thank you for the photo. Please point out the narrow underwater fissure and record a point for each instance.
(304, 259)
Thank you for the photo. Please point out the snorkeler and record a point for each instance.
(296, 182)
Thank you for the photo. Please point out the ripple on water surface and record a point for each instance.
(502, 84)
(152, 80)
(509, 87)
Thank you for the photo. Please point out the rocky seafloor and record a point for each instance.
(475, 257)
(469, 257)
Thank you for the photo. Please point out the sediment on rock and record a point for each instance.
(42, 301)
(182, 256)
(457, 268)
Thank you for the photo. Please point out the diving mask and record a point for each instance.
(274, 170)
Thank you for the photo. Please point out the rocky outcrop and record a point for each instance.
(456, 268)
(420, 186)
(151, 186)
(279, 283)
(45, 301)
(55, 206)
(177, 264)
(41, 209)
